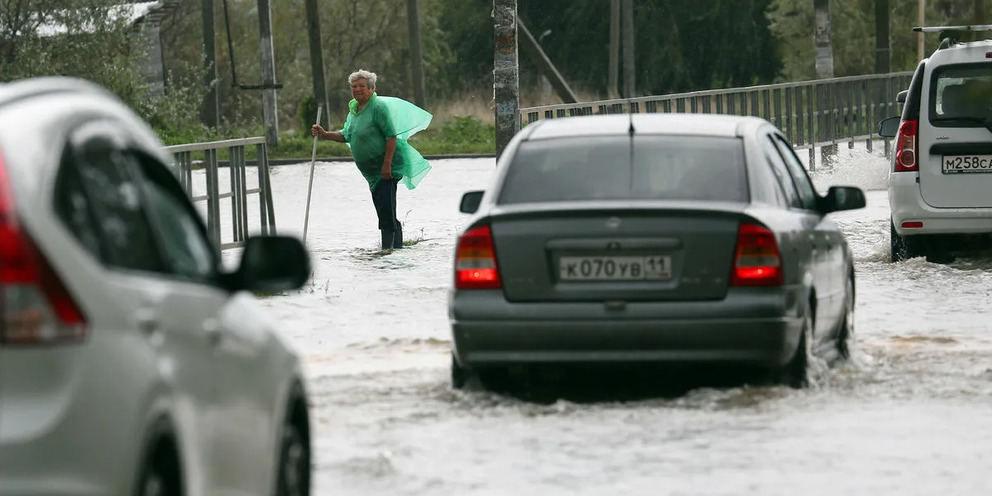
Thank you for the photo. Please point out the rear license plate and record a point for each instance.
(954, 164)
(615, 268)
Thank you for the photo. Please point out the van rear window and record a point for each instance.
(961, 95)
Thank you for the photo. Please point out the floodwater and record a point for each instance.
(908, 415)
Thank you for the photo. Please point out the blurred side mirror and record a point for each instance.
(843, 198)
(470, 202)
(889, 127)
(270, 264)
(901, 96)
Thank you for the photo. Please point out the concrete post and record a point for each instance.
(269, 101)
(882, 42)
(629, 73)
(611, 87)
(506, 73)
(821, 34)
(416, 57)
(317, 59)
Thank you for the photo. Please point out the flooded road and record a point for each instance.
(910, 414)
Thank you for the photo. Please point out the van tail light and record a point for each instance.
(757, 261)
(475, 261)
(907, 144)
(35, 307)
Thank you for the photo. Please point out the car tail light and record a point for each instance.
(36, 308)
(475, 261)
(906, 147)
(757, 261)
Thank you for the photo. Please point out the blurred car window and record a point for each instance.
(803, 184)
(114, 202)
(619, 168)
(74, 208)
(782, 173)
(186, 251)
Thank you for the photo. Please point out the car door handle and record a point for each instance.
(213, 331)
(146, 321)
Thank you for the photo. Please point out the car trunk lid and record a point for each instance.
(666, 251)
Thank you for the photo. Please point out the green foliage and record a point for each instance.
(853, 34)
(307, 112)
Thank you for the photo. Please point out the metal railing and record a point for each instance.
(812, 114)
(184, 159)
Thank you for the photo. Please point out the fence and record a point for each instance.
(812, 114)
(207, 158)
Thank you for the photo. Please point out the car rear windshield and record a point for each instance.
(961, 95)
(620, 168)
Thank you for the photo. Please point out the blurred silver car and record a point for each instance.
(651, 238)
(131, 362)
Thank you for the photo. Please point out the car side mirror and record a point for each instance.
(270, 264)
(901, 96)
(470, 202)
(843, 198)
(889, 127)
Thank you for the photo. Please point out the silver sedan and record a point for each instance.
(657, 238)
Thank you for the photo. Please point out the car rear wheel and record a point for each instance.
(904, 247)
(846, 331)
(294, 462)
(459, 374)
(795, 374)
(160, 476)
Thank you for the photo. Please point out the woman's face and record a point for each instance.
(361, 91)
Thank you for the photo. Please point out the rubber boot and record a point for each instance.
(387, 238)
(398, 237)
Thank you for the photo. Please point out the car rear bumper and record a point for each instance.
(758, 326)
(907, 205)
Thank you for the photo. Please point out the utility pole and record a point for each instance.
(921, 42)
(821, 35)
(629, 74)
(416, 57)
(883, 45)
(317, 60)
(506, 73)
(269, 100)
(611, 87)
(209, 108)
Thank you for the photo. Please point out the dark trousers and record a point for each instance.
(384, 199)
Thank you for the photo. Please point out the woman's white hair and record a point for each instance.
(368, 76)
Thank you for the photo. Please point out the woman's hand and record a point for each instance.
(316, 130)
(387, 171)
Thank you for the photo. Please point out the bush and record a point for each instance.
(307, 112)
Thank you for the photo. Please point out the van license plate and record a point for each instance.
(954, 164)
(615, 268)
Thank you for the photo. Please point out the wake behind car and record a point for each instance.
(131, 361)
(941, 172)
(650, 238)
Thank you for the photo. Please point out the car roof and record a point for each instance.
(661, 123)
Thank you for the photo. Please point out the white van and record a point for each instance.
(940, 182)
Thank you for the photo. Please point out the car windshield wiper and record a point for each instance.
(976, 120)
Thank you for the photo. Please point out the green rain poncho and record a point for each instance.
(366, 132)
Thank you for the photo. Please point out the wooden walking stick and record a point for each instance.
(313, 160)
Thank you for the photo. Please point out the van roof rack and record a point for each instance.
(937, 29)
(950, 35)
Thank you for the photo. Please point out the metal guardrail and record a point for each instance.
(184, 160)
(812, 114)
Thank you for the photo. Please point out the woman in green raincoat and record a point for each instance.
(376, 131)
